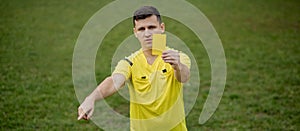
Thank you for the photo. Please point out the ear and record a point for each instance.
(134, 31)
(162, 26)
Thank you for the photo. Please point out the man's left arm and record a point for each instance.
(182, 71)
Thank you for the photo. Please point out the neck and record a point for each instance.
(149, 57)
(148, 53)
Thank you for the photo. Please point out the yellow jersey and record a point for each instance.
(156, 96)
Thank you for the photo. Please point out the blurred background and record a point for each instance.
(260, 38)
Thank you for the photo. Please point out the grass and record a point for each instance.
(260, 39)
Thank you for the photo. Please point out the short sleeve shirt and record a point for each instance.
(156, 97)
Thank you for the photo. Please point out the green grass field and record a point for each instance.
(260, 38)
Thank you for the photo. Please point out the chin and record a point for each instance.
(147, 47)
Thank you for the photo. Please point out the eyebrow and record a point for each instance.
(141, 28)
(150, 27)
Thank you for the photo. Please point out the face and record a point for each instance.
(145, 28)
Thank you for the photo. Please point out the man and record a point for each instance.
(154, 81)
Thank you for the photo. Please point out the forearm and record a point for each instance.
(182, 73)
(104, 89)
(107, 87)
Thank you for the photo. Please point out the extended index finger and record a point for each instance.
(81, 113)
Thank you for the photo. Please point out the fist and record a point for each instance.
(172, 57)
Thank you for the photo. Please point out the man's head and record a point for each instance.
(147, 21)
(144, 12)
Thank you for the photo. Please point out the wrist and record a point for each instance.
(178, 67)
(91, 97)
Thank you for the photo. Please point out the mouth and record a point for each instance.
(148, 40)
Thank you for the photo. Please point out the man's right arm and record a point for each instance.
(106, 88)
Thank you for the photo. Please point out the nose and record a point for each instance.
(148, 33)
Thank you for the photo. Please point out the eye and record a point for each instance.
(151, 27)
(141, 29)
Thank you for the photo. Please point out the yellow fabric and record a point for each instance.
(156, 101)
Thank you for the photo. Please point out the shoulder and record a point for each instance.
(135, 55)
(129, 60)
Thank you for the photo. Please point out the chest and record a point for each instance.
(157, 70)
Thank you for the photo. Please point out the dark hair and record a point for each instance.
(145, 12)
